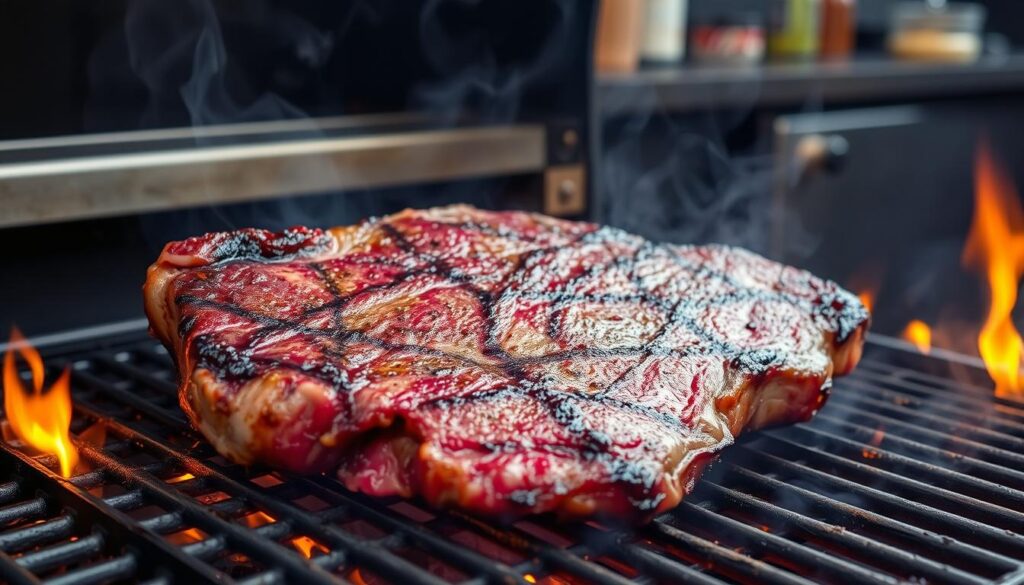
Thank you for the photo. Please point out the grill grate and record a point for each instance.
(912, 472)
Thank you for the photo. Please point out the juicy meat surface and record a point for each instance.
(504, 363)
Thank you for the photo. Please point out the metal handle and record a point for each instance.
(160, 179)
(820, 153)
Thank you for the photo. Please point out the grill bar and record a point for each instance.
(59, 527)
(882, 554)
(760, 571)
(664, 568)
(115, 524)
(954, 550)
(119, 568)
(689, 515)
(13, 573)
(29, 509)
(980, 510)
(966, 484)
(859, 408)
(62, 554)
(954, 390)
(925, 516)
(984, 424)
(419, 536)
(202, 518)
(1016, 578)
(994, 477)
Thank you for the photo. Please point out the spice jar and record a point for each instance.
(793, 29)
(620, 28)
(838, 28)
(735, 39)
(664, 32)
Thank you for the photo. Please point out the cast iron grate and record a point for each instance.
(912, 472)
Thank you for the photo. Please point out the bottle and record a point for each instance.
(619, 32)
(838, 28)
(664, 32)
(793, 29)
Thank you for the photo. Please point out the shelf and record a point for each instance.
(689, 88)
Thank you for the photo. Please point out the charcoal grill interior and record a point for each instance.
(912, 472)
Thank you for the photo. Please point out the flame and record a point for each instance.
(40, 419)
(920, 334)
(257, 519)
(181, 478)
(996, 246)
(867, 298)
(188, 536)
(529, 578)
(305, 545)
(356, 577)
(875, 442)
(877, 438)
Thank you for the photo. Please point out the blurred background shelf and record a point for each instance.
(688, 88)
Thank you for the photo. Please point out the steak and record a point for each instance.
(502, 363)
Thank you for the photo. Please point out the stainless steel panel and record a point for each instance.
(881, 199)
(40, 191)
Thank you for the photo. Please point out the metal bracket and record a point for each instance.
(565, 190)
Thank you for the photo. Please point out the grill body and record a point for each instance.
(912, 472)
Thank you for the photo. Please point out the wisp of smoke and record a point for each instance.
(179, 52)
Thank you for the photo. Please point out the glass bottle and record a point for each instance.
(793, 29)
(838, 28)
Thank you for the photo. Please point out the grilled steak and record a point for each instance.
(503, 363)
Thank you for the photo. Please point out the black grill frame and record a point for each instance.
(938, 496)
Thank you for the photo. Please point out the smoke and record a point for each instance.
(206, 94)
(196, 61)
(476, 74)
(671, 177)
(179, 53)
(472, 72)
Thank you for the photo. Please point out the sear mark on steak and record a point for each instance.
(503, 363)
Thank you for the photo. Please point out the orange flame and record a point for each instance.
(356, 577)
(867, 298)
(257, 519)
(181, 478)
(878, 437)
(996, 245)
(40, 419)
(920, 334)
(306, 545)
(186, 536)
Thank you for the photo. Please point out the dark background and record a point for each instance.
(85, 67)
